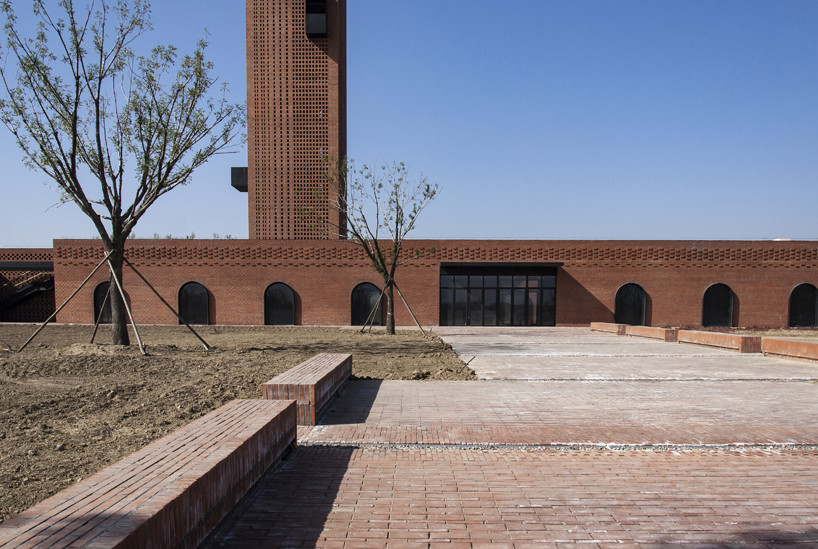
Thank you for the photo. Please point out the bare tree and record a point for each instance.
(113, 130)
(378, 209)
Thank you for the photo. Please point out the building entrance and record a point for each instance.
(498, 295)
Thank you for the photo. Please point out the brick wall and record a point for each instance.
(674, 274)
(39, 307)
(296, 117)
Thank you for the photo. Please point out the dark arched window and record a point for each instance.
(717, 306)
(366, 297)
(102, 302)
(193, 303)
(804, 306)
(279, 305)
(629, 307)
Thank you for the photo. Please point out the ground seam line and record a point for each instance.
(573, 447)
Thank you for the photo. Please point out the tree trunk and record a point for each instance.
(390, 308)
(119, 316)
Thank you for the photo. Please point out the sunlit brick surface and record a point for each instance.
(430, 497)
(296, 111)
(663, 458)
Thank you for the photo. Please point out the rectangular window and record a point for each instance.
(503, 295)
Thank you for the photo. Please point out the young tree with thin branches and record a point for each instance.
(379, 207)
(114, 130)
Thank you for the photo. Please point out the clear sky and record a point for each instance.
(599, 119)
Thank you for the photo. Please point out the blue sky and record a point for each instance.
(606, 119)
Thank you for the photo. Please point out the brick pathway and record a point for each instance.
(671, 457)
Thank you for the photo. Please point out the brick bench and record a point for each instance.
(664, 334)
(790, 348)
(313, 384)
(740, 343)
(609, 327)
(171, 493)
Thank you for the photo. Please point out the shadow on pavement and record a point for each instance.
(354, 403)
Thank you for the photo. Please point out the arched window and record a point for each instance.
(366, 297)
(279, 305)
(717, 306)
(804, 306)
(193, 303)
(629, 307)
(102, 302)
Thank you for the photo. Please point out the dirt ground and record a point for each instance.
(69, 408)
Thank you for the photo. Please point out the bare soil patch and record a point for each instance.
(68, 408)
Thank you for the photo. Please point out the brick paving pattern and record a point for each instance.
(667, 457)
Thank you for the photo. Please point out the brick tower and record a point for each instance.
(296, 114)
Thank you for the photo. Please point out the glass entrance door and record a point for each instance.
(497, 296)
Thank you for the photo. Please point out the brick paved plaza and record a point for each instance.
(572, 438)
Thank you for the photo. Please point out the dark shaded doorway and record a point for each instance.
(804, 307)
(498, 295)
(194, 306)
(279, 305)
(366, 297)
(629, 305)
(101, 297)
(717, 306)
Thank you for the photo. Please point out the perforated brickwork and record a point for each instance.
(296, 119)
(678, 254)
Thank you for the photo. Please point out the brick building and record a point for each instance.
(288, 272)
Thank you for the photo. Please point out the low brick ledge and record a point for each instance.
(609, 327)
(171, 493)
(789, 348)
(665, 334)
(313, 384)
(740, 343)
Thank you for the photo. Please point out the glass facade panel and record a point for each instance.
(476, 307)
(446, 307)
(476, 295)
(490, 306)
(504, 306)
(533, 307)
(548, 311)
(518, 312)
(460, 307)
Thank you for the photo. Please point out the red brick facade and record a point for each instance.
(674, 274)
(296, 117)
